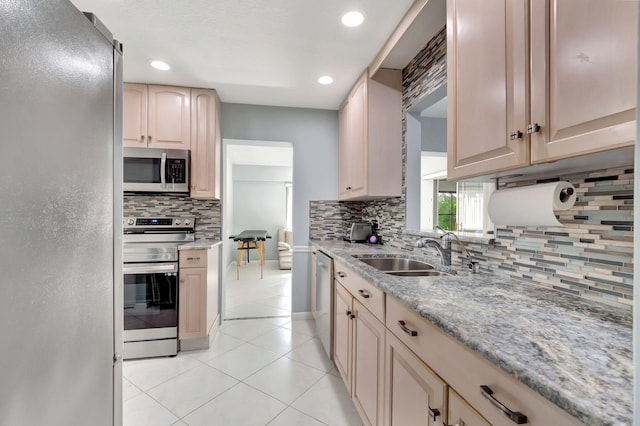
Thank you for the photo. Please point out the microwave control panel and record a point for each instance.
(176, 170)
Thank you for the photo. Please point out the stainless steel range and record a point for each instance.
(150, 255)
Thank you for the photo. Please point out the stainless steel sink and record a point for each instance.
(417, 273)
(395, 264)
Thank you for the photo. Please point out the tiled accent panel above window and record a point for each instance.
(207, 213)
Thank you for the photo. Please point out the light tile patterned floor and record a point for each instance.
(269, 371)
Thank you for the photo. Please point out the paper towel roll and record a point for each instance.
(531, 205)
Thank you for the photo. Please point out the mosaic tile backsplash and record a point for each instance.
(591, 256)
(206, 212)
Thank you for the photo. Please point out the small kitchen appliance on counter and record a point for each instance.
(150, 256)
(362, 232)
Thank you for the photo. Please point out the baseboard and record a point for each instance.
(301, 316)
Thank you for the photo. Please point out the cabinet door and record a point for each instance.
(205, 144)
(587, 64)
(343, 160)
(169, 117)
(486, 86)
(134, 115)
(357, 140)
(462, 414)
(192, 303)
(414, 394)
(342, 334)
(368, 365)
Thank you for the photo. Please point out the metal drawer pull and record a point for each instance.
(193, 258)
(407, 330)
(514, 416)
(342, 274)
(434, 412)
(364, 294)
(350, 315)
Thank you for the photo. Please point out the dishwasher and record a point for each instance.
(324, 301)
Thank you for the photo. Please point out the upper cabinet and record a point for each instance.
(156, 116)
(370, 138)
(205, 144)
(529, 86)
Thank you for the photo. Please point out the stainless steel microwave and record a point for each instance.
(155, 170)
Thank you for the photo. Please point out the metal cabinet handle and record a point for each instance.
(515, 135)
(149, 138)
(364, 294)
(350, 315)
(434, 412)
(348, 188)
(142, 139)
(403, 326)
(533, 128)
(342, 274)
(514, 416)
(193, 258)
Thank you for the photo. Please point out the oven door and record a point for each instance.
(150, 301)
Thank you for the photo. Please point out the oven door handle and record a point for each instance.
(149, 268)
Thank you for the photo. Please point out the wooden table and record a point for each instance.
(249, 240)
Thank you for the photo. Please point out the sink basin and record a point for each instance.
(395, 264)
(417, 273)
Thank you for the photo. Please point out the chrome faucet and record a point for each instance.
(444, 250)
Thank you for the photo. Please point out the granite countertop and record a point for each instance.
(199, 245)
(574, 352)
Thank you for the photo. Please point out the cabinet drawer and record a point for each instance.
(366, 293)
(465, 371)
(193, 259)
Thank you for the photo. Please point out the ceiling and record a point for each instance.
(262, 52)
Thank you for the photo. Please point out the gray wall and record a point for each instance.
(434, 134)
(314, 135)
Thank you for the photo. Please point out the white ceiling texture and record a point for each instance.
(263, 52)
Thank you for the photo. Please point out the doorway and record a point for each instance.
(258, 183)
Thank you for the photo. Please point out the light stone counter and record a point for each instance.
(574, 352)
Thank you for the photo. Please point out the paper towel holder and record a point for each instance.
(565, 194)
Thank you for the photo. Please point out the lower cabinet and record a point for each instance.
(192, 296)
(198, 300)
(402, 370)
(359, 355)
(414, 393)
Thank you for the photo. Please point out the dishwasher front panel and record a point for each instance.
(324, 301)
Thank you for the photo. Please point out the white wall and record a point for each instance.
(259, 202)
(314, 136)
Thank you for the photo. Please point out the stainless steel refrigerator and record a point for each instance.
(60, 217)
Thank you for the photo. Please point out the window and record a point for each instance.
(447, 208)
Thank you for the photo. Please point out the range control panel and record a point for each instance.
(158, 223)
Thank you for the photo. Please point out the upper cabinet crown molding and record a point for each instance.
(530, 86)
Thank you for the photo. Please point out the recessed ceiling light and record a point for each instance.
(160, 65)
(325, 79)
(352, 19)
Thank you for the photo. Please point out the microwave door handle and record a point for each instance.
(163, 169)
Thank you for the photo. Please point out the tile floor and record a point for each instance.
(267, 371)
